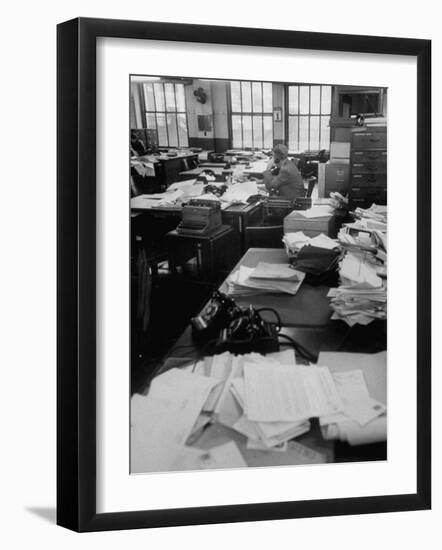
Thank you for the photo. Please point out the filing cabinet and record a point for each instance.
(368, 167)
(337, 178)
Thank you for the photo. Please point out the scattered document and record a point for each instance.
(361, 380)
(322, 241)
(165, 417)
(242, 282)
(320, 211)
(357, 403)
(240, 192)
(266, 270)
(362, 294)
(221, 457)
(275, 394)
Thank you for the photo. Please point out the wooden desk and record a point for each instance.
(257, 169)
(169, 168)
(329, 336)
(195, 172)
(237, 216)
(221, 165)
(310, 307)
(210, 251)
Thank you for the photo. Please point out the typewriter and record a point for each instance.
(200, 217)
(276, 208)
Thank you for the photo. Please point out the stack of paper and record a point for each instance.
(143, 168)
(164, 419)
(295, 241)
(362, 294)
(268, 399)
(157, 200)
(360, 380)
(232, 407)
(319, 211)
(240, 192)
(265, 278)
(374, 217)
(190, 188)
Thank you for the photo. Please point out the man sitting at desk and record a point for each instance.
(283, 178)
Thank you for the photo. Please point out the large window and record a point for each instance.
(309, 109)
(252, 118)
(166, 113)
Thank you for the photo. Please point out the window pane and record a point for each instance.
(268, 97)
(170, 97)
(235, 89)
(325, 133)
(150, 121)
(315, 100)
(257, 131)
(326, 100)
(304, 100)
(236, 131)
(293, 133)
(257, 97)
(182, 130)
(247, 131)
(268, 131)
(246, 90)
(159, 96)
(314, 133)
(162, 133)
(180, 98)
(293, 100)
(148, 97)
(303, 133)
(172, 130)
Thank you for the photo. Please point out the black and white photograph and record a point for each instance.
(258, 273)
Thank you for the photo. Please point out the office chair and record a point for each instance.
(264, 236)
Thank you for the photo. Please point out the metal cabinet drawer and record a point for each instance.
(370, 193)
(369, 167)
(371, 179)
(369, 139)
(369, 155)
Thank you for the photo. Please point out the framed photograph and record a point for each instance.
(224, 353)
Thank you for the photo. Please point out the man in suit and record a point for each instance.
(282, 178)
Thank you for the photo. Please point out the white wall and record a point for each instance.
(28, 274)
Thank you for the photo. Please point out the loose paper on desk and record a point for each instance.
(357, 273)
(350, 431)
(265, 270)
(275, 394)
(322, 241)
(295, 240)
(189, 188)
(242, 283)
(221, 457)
(240, 192)
(357, 403)
(373, 365)
(163, 420)
(316, 212)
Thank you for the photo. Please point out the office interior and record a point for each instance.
(204, 154)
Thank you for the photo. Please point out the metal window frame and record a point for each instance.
(309, 115)
(166, 111)
(250, 113)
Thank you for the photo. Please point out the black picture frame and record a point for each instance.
(76, 273)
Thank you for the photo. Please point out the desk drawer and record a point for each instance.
(371, 179)
(369, 139)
